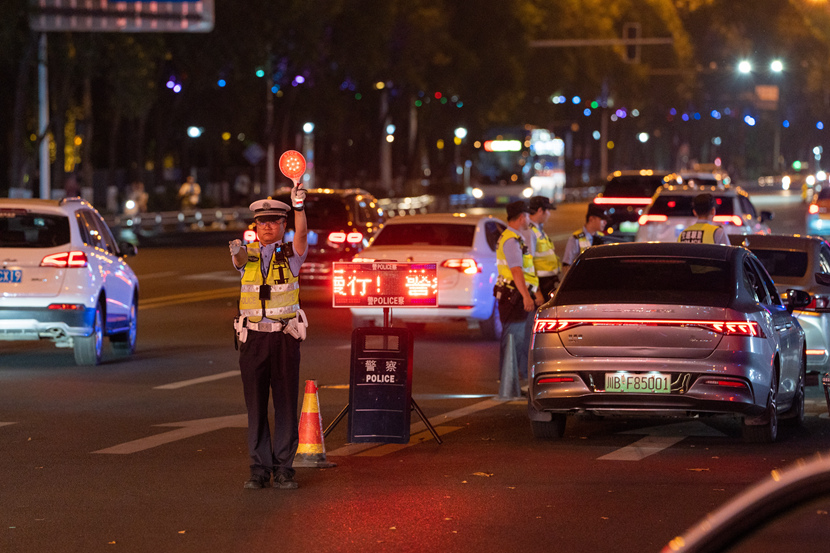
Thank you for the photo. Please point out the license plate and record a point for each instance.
(646, 383)
(10, 275)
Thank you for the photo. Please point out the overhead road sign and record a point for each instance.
(158, 16)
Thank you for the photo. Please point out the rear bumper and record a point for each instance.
(41, 323)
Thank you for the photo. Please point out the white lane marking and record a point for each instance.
(414, 439)
(163, 274)
(659, 438)
(200, 380)
(187, 429)
(416, 427)
(6, 423)
(216, 276)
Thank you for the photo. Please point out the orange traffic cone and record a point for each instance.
(311, 452)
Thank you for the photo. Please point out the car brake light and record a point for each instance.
(554, 379)
(818, 304)
(362, 260)
(249, 236)
(813, 209)
(725, 383)
(729, 219)
(627, 201)
(652, 219)
(726, 328)
(65, 260)
(337, 237)
(467, 266)
(354, 237)
(67, 306)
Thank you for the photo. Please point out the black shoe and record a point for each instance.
(257, 481)
(284, 482)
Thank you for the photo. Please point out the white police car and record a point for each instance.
(63, 278)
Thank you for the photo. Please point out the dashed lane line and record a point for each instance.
(192, 381)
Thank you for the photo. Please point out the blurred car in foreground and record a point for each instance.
(463, 247)
(626, 195)
(818, 212)
(785, 512)
(340, 224)
(671, 211)
(63, 278)
(800, 263)
(670, 330)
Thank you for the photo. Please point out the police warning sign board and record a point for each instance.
(384, 284)
(161, 16)
(380, 391)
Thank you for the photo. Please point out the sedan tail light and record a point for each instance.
(622, 201)
(729, 220)
(65, 260)
(727, 328)
(813, 209)
(819, 304)
(342, 237)
(644, 219)
(467, 266)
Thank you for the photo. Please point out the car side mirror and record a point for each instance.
(127, 248)
(823, 279)
(796, 299)
(766, 216)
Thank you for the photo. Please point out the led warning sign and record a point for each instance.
(390, 284)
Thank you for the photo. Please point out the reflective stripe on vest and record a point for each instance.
(285, 290)
(527, 259)
(699, 233)
(544, 258)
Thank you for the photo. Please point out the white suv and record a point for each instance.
(63, 278)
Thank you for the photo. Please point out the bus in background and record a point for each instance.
(517, 163)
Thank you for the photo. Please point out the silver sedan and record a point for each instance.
(668, 329)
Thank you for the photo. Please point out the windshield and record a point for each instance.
(632, 186)
(647, 280)
(783, 263)
(681, 206)
(426, 234)
(19, 229)
(322, 211)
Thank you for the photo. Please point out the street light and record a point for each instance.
(745, 67)
(776, 66)
(308, 152)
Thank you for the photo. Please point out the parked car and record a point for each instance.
(668, 329)
(671, 211)
(785, 510)
(800, 263)
(63, 278)
(626, 195)
(463, 247)
(340, 224)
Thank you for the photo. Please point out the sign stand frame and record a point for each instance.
(413, 405)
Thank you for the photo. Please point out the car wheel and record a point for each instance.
(767, 432)
(88, 349)
(795, 414)
(549, 430)
(123, 343)
(491, 327)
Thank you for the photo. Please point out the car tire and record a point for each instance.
(123, 343)
(549, 430)
(491, 327)
(768, 432)
(88, 349)
(795, 414)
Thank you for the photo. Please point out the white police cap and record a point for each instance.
(270, 207)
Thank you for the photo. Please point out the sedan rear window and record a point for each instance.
(647, 280)
(322, 211)
(32, 230)
(637, 186)
(426, 234)
(783, 263)
(681, 206)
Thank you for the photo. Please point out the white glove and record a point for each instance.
(235, 246)
(298, 195)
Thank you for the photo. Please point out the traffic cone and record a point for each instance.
(509, 387)
(311, 452)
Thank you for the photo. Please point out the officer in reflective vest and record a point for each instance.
(518, 287)
(545, 260)
(270, 327)
(704, 231)
(587, 236)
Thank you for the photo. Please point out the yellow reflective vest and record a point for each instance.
(545, 260)
(582, 240)
(699, 233)
(285, 288)
(529, 271)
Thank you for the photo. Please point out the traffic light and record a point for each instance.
(632, 31)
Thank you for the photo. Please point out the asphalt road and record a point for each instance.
(149, 455)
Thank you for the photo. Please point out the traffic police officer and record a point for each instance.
(545, 260)
(270, 327)
(704, 231)
(587, 236)
(518, 286)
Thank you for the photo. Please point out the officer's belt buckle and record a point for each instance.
(267, 327)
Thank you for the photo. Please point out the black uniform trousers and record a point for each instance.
(270, 363)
